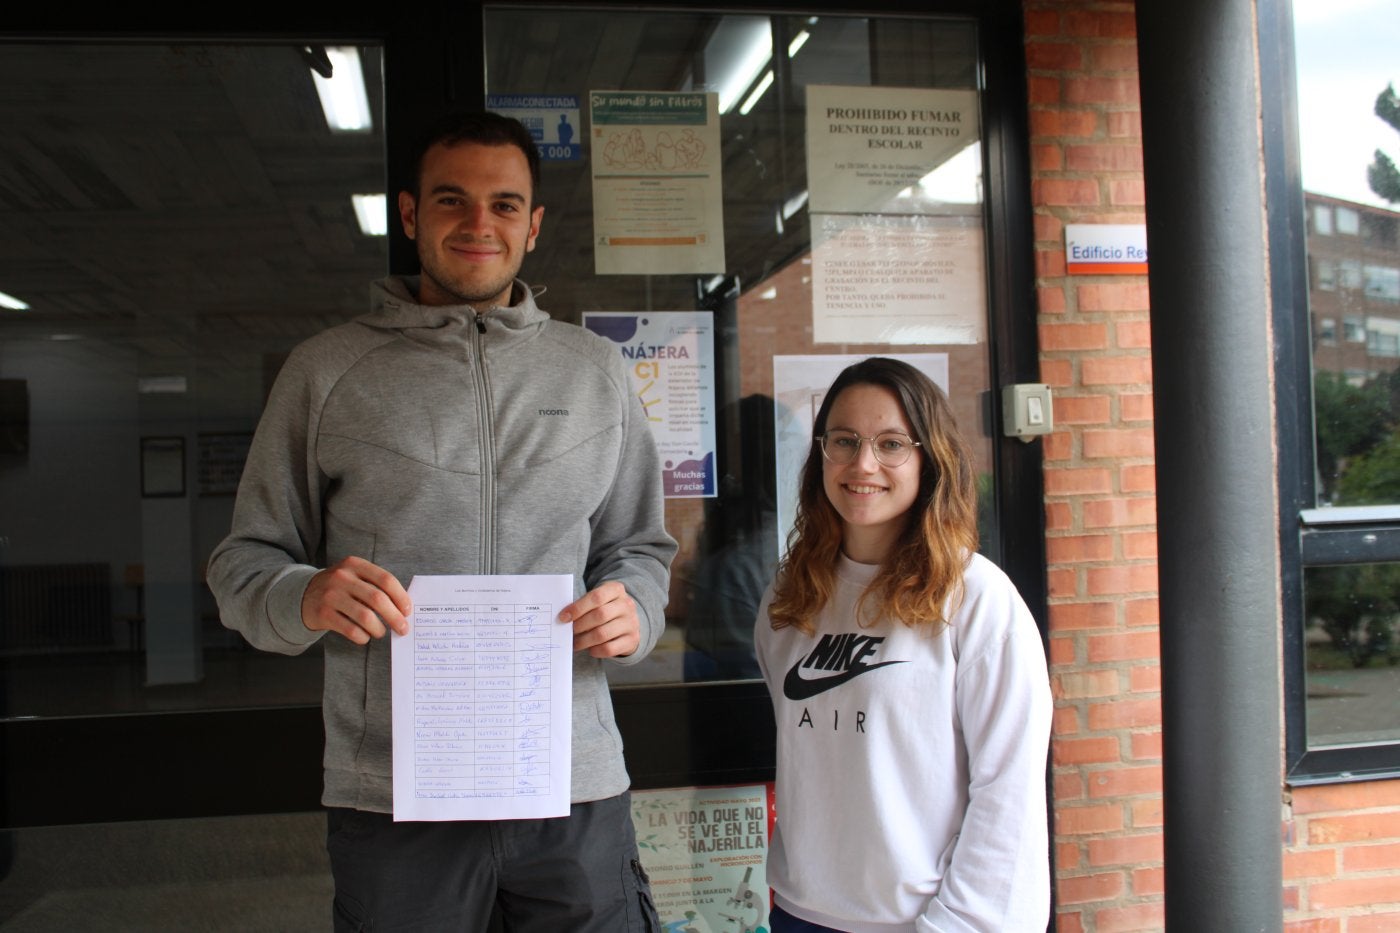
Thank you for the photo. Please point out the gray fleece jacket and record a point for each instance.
(433, 440)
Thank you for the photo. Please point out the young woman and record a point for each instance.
(908, 681)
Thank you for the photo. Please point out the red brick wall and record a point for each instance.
(1100, 491)
(1341, 858)
(1341, 843)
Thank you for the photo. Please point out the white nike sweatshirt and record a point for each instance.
(911, 767)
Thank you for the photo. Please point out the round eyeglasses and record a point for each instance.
(891, 448)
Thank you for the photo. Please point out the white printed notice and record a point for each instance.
(658, 206)
(914, 279)
(671, 356)
(482, 696)
(895, 201)
(890, 150)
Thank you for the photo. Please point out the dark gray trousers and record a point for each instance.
(578, 873)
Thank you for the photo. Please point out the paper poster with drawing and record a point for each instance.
(705, 849)
(658, 206)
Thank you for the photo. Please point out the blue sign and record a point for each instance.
(552, 119)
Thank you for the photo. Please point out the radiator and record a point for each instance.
(55, 607)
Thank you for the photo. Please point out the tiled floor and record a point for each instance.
(248, 874)
(258, 873)
(253, 873)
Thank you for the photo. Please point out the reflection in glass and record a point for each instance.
(1346, 72)
(176, 218)
(1353, 656)
(739, 554)
(762, 69)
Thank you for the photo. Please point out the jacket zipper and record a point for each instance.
(488, 452)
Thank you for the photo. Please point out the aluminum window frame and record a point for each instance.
(1308, 536)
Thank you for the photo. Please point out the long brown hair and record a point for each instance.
(925, 567)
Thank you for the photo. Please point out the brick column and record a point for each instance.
(1099, 473)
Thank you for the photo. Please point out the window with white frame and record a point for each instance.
(1322, 219)
(1382, 283)
(1349, 273)
(1324, 275)
(1382, 337)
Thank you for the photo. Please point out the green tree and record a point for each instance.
(1356, 606)
(1349, 422)
(1358, 463)
(1381, 174)
(1373, 478)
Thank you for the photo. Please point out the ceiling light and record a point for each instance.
(13, 303)
(797, 42)
(739, 49)
(757, 93)
(794, 204)
(343, 94)
(370, 212)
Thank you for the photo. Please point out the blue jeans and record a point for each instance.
(578, 873)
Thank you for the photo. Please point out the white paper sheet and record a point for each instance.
(658, 198)
(482, 693)
(893, 150)
(898, 280)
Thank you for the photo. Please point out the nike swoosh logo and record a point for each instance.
(797, 687)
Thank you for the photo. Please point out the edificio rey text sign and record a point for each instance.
(1106, 249)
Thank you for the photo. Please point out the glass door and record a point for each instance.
(746, 203)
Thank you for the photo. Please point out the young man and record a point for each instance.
(456, 429)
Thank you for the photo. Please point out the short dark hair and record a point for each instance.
(483, 128)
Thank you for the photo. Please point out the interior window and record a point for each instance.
(173, 219)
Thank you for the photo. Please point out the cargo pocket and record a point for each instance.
(644, 919)
(348, 916)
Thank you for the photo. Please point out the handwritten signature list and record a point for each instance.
(482, 687)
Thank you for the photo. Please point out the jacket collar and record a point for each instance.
(394, 306)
